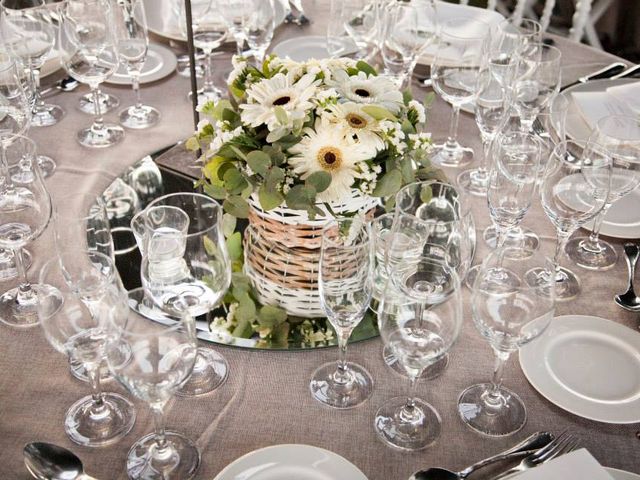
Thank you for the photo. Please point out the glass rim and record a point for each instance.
(365, 227)
(609, 118)
(3, 6)
(181, 320)
(216, 206)
(462, 197)
(509, 21)
(27, 141)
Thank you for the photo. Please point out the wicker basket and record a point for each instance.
(281, 254)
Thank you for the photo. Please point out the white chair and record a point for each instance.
(583, 22)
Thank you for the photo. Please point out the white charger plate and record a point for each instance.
(623, 218)
(160, 63)
(571, 364)
(295, 462)
(163, 17)
(301, 49)
(621, 474)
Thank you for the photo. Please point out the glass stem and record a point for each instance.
(409, 413)
(487, 142)
(493, 397)
(592, 244)
(453, 127)
(157, 410)
(93, 374)
(25, 291)
(342, 372)
(98, 121)
(135, 83)
(561, 241)
(38, 103)
(419, 307)
(208, 71)
(239, 38)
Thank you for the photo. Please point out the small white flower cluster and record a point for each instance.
(223, 136)
(312, 335)
(393, 134)
(369, 177)
(287, 183)
(419, 109)
(421, 141)
(228, 322)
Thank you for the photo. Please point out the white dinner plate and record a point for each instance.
(571, 365)
(163, 17)
(623, 218)
(294, 462)
(302, 49)
(160, 63)
(621, 474)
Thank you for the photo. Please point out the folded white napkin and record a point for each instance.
(577, 465)
(629, 93)
(596, 105)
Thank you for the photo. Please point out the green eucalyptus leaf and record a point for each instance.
(259, 162)
(234, 246)
(240, 282)
(239, 153)
(192, 144)
(215, 191)
(389, 184)
(379, 113)
(274, 176)
(280, 335)
(407, 127)
(236, 206)
(228, 224)
(243, 329)
(234, 181)
(301, 197)
(218, 111)
(407, 97)
(320, 181)
(366, 68)
(270, 316)
(246, 309)
(426, 193)
(269, 198)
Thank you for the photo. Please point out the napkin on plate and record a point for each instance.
(629, 94)
(593, 106)
(577, 465)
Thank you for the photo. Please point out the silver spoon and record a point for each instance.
(66, 84)
(629, 300)
(46, 461)
(527, 446)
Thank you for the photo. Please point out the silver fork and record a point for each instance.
(563, 443)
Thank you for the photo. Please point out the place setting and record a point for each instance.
(197, 291)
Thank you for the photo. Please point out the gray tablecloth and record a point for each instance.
(266, 400)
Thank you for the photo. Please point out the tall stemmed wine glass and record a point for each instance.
(207, 280)
(509, 312)
(575, 188)
(258, 25)
(25, 211)
(89, 53)
(345, 286)
(28, 32)
(153, 361)
(209, 32)
(454, 70)
(360, 19)
(419, 337)
(130, 22)
(74, 324)
(620, 137)
(233, 13)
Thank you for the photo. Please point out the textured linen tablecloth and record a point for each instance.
(266, 399)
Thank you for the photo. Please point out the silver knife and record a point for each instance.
(607, 72)
(629, 72)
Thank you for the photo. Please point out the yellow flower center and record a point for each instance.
(329, 158)
(356, 121)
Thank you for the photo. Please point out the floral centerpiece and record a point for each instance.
(296, 143)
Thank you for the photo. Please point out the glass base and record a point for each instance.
(407, 428)
(183, 68)
(504, 418)
(429, 373)
(470, 279)
(211, 94)
(519, 240)
(47, 166)
(25, 313)
(92, 426)
(139, 117)
(78, 371)
(108, 102)
(446, 156)
(46, 115)
(209, 372)
(8, 266)
(108, 136)
(567, 283)
(474, 181)
(602, 258)
(326, 389)
(180, 458)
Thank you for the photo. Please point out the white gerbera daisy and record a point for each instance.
(355, 123)
(361, 88)
(279, 91)
(326, 149)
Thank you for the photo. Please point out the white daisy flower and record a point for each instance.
(279, 91)
(361, 88)
(419, 108)
(239, 64)
(355, 123)
(325, 149)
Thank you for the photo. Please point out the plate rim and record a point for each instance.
(612, 471)
(281, 446)
(308, 39)
(165, 53)
(528, 373)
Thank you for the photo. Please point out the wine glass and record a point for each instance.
(491, 112)
(405, 35)
(509, 312)
(620, 137)
(258, 26)
(89, 53)
(25, 211)
(152, 361)
(521, 35)
(454, 70)
(209, 32)
(360, 19)
(28, 32)
(418, 337)
(233, 13)
(537, 81)
(77, 329)
(130, 23)
(345, 286)
(575, 188)
(209, 277)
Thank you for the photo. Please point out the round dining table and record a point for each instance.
(266, 399)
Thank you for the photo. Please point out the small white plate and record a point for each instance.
(294, 462)
(163, 17)
(160, 63)
(571, 365)
(301, 49)
(621, 474)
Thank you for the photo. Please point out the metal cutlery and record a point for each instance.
(631, 72)
(66, 84)
(607, 72)
(299, 20)
(527, 446)
(629, 300)
(564, 443)
(46, 461)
